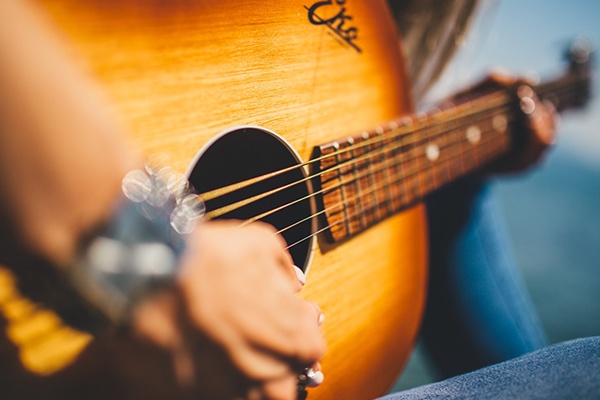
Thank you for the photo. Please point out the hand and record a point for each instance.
(536, 134)
(233, 324)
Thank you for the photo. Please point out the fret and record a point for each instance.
(380, 175)
(408, 155)
(422, 159)
(401, 156)
(363, 181)
(376, 202)
(455, 151)
(440, 165)
(349, 186)
(437, 151)
(473, 134)
(469, 138)
(494, 144)
(350, 189)
(445, 162)
(336, 212)
(395, 184)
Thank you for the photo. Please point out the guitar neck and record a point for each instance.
(366, 178)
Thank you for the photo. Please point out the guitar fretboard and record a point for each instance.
(368, 177)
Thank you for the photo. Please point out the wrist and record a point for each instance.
(134, 251)
(137, 251)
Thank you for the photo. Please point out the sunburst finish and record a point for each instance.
(180, 71)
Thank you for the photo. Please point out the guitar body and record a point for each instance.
(180, 72)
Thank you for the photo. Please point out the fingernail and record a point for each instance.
(315, 378)
(321, 319)
(300, 275)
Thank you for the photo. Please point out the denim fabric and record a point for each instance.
(478, 312)
(570, 370)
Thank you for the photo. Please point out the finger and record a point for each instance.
(259, 364)
(542, 124)
(501, 77)
(285, 388)
(283, 255)
(300, 277)
(317, 366)
(299, 342)
(289, 343)
(554, 119)
(318, 312)
(267, 235)
(286, 263)
(310, 345)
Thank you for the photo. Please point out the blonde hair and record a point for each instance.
(431, 31)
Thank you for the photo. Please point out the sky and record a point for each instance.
(529, 36)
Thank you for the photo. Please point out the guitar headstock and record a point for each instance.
(573, 88)
(580, 56)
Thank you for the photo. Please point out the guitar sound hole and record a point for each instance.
(246, 153)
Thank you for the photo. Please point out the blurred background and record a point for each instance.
(553, 213)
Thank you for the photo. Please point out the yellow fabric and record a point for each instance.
(45, 343)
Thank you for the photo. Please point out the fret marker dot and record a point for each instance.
(473, 134)
(432, 152)
(500, 123)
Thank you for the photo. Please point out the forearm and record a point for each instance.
(61, 151)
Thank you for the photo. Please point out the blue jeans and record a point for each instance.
(570, 370)
(478, 312)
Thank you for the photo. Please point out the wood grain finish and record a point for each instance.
(179, 72)
(368, 177)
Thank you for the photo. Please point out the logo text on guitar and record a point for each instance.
(337, 20)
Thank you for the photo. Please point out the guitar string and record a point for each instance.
(360, 211)
(451, 158)
(464, 110)
(398, 143)
(386, 165)
(348, 218)
(379, 151)
(402, 176)
(238, 186)
(568, 82)
(403, 126)
(349, 163)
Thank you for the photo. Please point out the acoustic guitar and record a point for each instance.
(299, 113)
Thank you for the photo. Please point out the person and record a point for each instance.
(188, 332)
(479, 316)
(478, 311)
(566, 370)
(200, 331)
